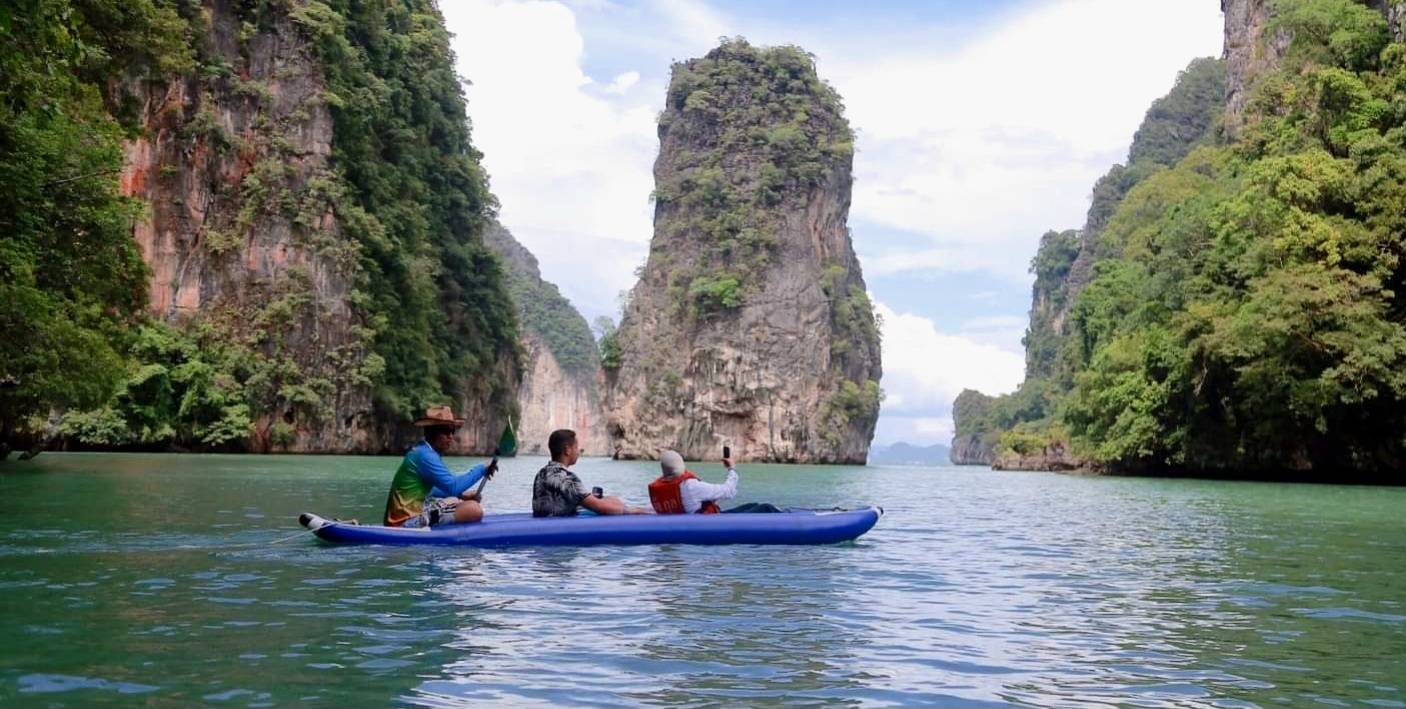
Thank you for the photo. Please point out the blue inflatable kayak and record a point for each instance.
(797, 527)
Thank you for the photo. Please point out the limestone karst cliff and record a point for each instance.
(1173, 125)
(1064, 264)
(1249, 52)
(309, 208)
(1050, 297)
(973, 441)
(1253, 48)
(222, 249)
(561, 384)
(1395, 16)
(750, 325)
(1208, 293)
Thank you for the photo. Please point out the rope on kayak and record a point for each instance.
(294, 535)
(280, 540)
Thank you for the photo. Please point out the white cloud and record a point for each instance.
(571, 166)
(623, 82)
(1003, 331)
(947, 259)
(978, 147)
(925, 369)
(591, 4)
(984, 147)
(972, 146)
(693, 21)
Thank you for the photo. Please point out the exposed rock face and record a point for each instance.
(1248, 53)
(973, 443)
(1054, 457)
(243, 232)
(1395, 12)
(551, 398)
(749, 326)
(561, 387)
(214, 248)
(970, 450)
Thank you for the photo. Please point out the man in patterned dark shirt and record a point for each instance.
(557, 492)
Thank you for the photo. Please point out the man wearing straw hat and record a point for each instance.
(424, 493)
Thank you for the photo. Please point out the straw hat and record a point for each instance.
(439, 416)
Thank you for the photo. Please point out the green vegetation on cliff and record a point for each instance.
(1063, 264)
(433, 321)
(608, 346)
(1247, 315)
(1051, 265)
(1174, 125)
(542, 309)
(565, 332)
(1258, 325)
(71, 280)
(430, 289)
(761, 127)
(750, 322)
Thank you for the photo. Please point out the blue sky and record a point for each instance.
(980, 125)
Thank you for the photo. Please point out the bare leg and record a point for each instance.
(468, 511)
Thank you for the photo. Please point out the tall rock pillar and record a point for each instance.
(750, 325)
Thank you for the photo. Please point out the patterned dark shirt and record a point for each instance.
(556, 492)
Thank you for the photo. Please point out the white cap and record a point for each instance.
(671, 463)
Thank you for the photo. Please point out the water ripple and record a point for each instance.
(977, 589)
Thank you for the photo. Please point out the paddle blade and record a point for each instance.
(507, 443)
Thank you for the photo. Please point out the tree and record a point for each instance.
(611, 355)
(1250, 320)
(70, 275)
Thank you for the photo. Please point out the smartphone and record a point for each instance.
(727, 451)
(598, 492)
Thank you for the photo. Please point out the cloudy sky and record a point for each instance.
(980, 125)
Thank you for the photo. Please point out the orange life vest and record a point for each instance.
(666, 494)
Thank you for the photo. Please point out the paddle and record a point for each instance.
(507, 448)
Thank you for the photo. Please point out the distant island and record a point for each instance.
(907, 454)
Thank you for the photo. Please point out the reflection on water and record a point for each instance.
(177, 580)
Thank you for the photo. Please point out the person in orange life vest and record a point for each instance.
(678, 491)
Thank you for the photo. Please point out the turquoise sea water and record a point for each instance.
(170, 580)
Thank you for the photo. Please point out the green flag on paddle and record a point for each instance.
(507, 448)
(507, 443)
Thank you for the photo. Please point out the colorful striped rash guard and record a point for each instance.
(423, 474)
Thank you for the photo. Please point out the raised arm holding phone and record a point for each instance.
(679, 491)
